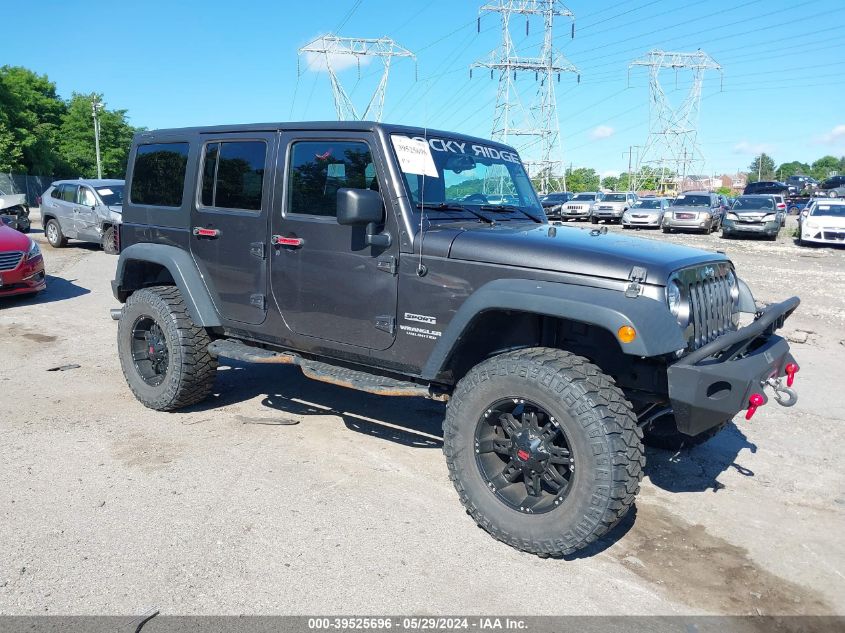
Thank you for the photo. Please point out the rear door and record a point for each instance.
(229, 221)
(326, 282)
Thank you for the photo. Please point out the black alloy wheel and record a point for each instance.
(149, 351)
(524, 455)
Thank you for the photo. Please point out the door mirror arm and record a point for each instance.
(374, 238)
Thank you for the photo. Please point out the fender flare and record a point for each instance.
(657, 330)
(185, 273)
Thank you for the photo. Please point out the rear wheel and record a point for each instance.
(110, 245)
(543, 449)
(55, 237)
(594, 220)
(663, 433)
(666, 229)
(164, 355)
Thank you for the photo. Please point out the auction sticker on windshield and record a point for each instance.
(414, 156)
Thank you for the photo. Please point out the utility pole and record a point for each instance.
(630, 153)
(672, 143)
(535, 124)
(760, 168)
(329, 48)
(96, 106)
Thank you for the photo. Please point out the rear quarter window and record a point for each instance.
(158, 176)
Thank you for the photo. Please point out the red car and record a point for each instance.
(21, 264)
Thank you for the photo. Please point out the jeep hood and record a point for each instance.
(580, 251)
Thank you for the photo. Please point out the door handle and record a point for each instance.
(203, 232)
(281, 240)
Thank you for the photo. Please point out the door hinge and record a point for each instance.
(256, 249)
(258, 301)
(637, 276)
(386, 324)
(387, 264)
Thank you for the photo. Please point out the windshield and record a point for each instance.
(456, 172)
(112, 195)
(691, 201)
(584, 197)
(829, 210)
(747, 204)
(615, 197)
(647, 204)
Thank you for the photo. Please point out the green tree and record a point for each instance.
(793, 168)
(822, 167)
(610, 182)
(30, 116)
(76, 139)
(725, 191)
(582, 179)
(761, 168)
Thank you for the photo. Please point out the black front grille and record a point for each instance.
(10, 260)
(834, 235)
(711, 308)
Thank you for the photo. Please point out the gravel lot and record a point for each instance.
(287, 496)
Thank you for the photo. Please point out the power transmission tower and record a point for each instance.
(330, 49)
(536, 123)
(672, 148)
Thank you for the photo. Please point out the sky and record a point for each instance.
(189, 62)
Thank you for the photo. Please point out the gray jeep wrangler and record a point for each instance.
(410, 262)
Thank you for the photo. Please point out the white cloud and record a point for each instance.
(744, 147)
(836, 134)
(610, 173)
(602, 131)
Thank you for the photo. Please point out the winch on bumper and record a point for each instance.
(715, 382)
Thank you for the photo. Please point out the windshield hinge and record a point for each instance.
(637, 276)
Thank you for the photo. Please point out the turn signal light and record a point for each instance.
(626, 334)
(756, 400)
(791, 369)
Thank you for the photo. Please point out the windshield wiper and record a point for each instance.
(508, 207)
(448, 206)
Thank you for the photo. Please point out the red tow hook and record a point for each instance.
(756, 400)
(791, 369)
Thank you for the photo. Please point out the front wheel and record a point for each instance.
(55, 237)
(594, 220)
(110, 245)
(163, 354)
(543, 449)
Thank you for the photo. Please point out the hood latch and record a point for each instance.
(637, 277)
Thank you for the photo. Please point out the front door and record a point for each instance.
(229, 222)
(327, 282)
(86, 217)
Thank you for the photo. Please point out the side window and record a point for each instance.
(318, 169)
(69, 193)
(158, 177)
(57, 191)
(233, 175)
(85, 197)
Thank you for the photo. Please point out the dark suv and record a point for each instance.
(834, 187)
(553, 203)
(409, 262)
(767, 187)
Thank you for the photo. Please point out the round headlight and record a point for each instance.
(673, 298)
(733, 285)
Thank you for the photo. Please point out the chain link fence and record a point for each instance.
(32, 186)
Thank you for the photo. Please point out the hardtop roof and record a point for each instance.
(316, 126)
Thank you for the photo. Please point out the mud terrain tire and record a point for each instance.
(597, 423)
(188, 371)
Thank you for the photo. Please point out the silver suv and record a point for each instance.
(614, 206)
(581, 206)
(86, 210)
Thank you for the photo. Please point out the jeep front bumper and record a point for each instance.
(713, 383)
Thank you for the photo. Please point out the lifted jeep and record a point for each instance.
(410, 262)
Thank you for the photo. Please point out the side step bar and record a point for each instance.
(324, 372)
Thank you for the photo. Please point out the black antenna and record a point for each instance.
(478, 25)
(573, 31)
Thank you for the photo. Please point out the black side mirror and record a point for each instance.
(362, 207)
